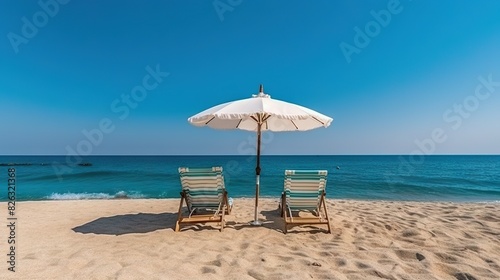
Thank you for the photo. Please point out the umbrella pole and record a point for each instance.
(256, 221)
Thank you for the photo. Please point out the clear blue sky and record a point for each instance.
(68, 75)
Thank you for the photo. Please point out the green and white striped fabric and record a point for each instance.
(304, 188)
(204, 187)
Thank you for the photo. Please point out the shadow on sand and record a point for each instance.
(129, 223)
(272, 221)
(275, 221)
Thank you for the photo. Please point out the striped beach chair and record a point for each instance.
(205, 196)
(304, 190)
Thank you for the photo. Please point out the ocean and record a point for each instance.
(402, 178)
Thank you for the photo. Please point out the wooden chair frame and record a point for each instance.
(193, 216)
(290, 220)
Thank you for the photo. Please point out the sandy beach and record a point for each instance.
(134, 239)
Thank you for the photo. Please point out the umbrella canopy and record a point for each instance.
(261, 109)
(260, 113)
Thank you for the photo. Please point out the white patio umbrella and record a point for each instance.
(260, 113)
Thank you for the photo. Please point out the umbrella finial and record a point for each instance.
(261, 93)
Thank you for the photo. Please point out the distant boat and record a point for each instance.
(85, 164)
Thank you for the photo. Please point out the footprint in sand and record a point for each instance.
(489, 218)
(285, 259)
(410, 233)
(340, 262)
(206, 270)
(407, 255)
(492, 264)
(446, 258)
(464, 276)
(361, 265)
(217, 263)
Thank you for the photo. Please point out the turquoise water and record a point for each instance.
(431, 178)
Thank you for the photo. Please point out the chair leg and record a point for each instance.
(326, 212)
(179, 216)
(226, 201)
(283, 209)
(222, 218)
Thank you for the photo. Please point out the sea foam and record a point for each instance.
(83, 196)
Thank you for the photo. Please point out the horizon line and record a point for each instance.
(252, 155)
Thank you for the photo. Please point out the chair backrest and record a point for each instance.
(204, 187)
(304, 188)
